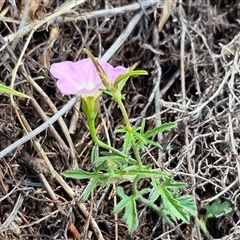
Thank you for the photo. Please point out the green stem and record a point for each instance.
(118, 98)
(136, 154)
(203, 227)
(134, 185)
(155, 208)
(92, 129)
(149, 204)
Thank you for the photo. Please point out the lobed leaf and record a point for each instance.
(217, 208)
(188, 204)
(130, 209)
(172, 206)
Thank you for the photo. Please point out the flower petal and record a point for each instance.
(112, 72)
(81, 77)
(66, 71)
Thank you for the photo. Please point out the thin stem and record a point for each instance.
(134, 185)
(155, 208)
(118, 98)
(102, 144)
(136, 154)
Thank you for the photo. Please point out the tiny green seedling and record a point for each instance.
(214, 210)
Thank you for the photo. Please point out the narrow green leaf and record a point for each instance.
(128, 175)
(155, 144)
(174, 185)
(140, 137)
(143, 191)
(108, 158)
(121, 84)
(122, 160)
(94, 153)
(121, 129)
(142, 126)
(90, 188)
(10, 91)
(158, 129)
(80, 174)
(122, 79)
(146, 172)
(122, 204)
(127, 142)
(106, 92)
(154, 196)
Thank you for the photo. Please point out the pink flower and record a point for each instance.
(81, 77)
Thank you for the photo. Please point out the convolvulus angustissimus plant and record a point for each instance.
(90, 78)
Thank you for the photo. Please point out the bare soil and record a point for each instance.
(190, 50)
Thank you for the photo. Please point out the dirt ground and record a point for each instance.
(190, 50)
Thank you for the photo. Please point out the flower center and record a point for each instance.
(89, 86)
